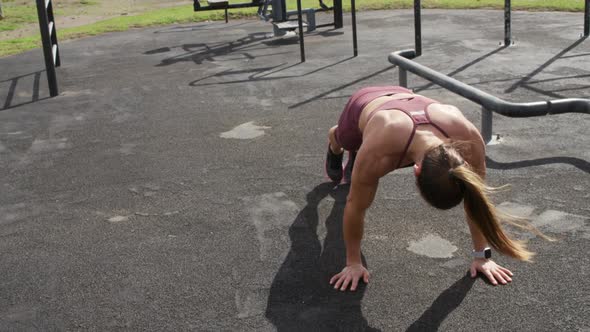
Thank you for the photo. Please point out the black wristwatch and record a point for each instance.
(486, 253)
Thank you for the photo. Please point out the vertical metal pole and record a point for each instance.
(417, 27)
(354, 39)
(53, 33)
(403, 77)
(301, 41)
(279, 10)
(507, 23)
(486, 124)
(47, 48)
(587, 19)
(338, 21)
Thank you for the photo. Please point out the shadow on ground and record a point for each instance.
(581, 164)
(444, 304)
(8, 101)
(301, 298)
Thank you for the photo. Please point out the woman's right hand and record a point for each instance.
(350, 275)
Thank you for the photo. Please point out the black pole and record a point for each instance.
(338, 20)
(418, 27)
(47, 47)
(301, 42)
(507, 23)
(354, 39)
(587, 19)
(283, 10)
(53, 32)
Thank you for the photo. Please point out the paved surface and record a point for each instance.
(176, 183)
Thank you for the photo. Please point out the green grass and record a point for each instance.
(185, 14)
(17, 15)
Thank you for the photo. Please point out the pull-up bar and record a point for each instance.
(489, 103)
(507, 23)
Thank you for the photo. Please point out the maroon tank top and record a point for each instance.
(417, 109)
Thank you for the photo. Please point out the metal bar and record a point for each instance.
(403, 77)
(301, 41)
(283, 10)
(53, 35)
(338, 20)
(47, 3)
(50, 29)
(486, 124)
(47, 47)
(226, 20)
(230, 6)
(492, 103)
(354, 36)
(418, 27)
(507, 23)
(587, 19)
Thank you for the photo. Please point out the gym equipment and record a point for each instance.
(49, 39)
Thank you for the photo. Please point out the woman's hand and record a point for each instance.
(494, 272)
(350, 275)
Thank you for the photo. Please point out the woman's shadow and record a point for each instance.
(301, 298)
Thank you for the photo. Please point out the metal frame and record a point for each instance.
(337, 24)
(508, 21)
(489, 103)
(197, 7)
(50, 45)
(418, 27)
(507, 24)
(587, 18)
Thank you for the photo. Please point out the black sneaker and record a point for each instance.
(349, 166)
(334, 165)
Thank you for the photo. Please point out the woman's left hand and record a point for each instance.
(494, 272)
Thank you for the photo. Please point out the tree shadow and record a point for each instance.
(301, 298)
(581, 164)
(444, 304)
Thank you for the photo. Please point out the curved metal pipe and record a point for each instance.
(492, 103)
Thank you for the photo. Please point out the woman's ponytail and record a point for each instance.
(487, 218)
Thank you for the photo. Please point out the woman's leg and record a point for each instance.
(334, 157)
(334, 145)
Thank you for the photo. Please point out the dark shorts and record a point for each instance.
(348, 134)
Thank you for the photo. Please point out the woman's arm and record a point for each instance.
(370, 166)
(494, 272)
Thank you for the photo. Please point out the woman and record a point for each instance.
(390, 127)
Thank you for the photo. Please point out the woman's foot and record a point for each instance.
(334, 166)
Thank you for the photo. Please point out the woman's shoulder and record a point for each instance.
(448, 115)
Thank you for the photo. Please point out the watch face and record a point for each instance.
(488, 253)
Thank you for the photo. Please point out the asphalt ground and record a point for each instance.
(177, 181)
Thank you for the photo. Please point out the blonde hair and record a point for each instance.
(445, 180)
